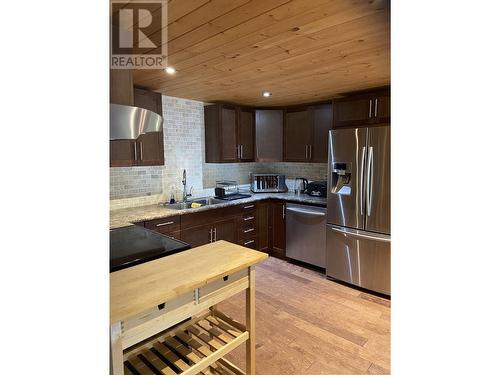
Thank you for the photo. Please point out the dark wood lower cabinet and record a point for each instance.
(263, 225)
(197, 236)
(225, 230)
(278, 229)
(259, 226)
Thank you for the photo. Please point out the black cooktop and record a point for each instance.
(134, 245)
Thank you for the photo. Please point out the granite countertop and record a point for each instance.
(127, 216)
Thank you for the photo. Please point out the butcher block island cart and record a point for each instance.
(164, 318)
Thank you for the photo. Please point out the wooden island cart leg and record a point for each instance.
(116, 358)
(250, 322)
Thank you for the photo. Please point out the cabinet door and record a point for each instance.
(382, 109)
(297, 134)
(121, 87)
(150, 149)
(150, 145)
(225, 230)
(148, 99)
(246, 134)
(228, 134)
(322, 123)
(262, 224)
(122, 153)
(278, 229)
(197, 236)
(352, 111)
(269, 135)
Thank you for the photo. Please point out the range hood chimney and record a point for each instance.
(128, 122)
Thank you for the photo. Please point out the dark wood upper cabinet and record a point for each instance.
(351, 112)
(148, 148)
(306, 133)
(246, 134)
(269, 135)
(362, 109)
(322, 123)
(121, 87)
(122, 152)
(229, 134)
(148, 99)
(297, 134)
(383, 109)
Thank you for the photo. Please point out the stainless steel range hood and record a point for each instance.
(127, 122)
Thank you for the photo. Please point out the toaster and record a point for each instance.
(316, 189)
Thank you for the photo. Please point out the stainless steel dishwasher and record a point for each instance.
(306, 233)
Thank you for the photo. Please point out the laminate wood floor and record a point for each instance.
(309, 325)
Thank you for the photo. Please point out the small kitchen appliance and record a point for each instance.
(301, 186)
(317, 189)
(228, 190)
(268, 183)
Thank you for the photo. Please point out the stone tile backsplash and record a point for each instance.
(183, 129)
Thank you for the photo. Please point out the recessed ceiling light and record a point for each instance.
(170, 70)
(267, 94)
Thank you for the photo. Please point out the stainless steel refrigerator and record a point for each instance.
(358, 242)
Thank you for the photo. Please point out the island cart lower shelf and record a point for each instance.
(194, 347)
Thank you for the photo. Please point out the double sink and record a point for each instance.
(202, 201)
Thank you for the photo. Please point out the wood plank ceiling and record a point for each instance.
(300, 50)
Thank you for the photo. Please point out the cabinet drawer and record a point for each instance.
(248, 208)
(167, 225)
(247, 232)
(248, 219)
(251, 243)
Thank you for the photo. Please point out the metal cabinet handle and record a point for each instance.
(163, 224)
(135, 150)
(310, 151)
(140, 149)
(305, 211)
(248, 218)
(283, 211)
(215, 234)
(306, 150)
(248, 230)
(248, 242)
(250, 206)
(363, 153)
(376, 107)
(370, 111)
(241, 152)
(211, 235)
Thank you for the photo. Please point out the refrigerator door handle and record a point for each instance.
(363, 235)
(363, 154)
(369, 182)
(330, 147)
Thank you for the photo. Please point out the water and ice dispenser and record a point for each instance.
(341, 178)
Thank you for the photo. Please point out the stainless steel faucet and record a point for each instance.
(185, 194)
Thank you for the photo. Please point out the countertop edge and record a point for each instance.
(132, 217)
